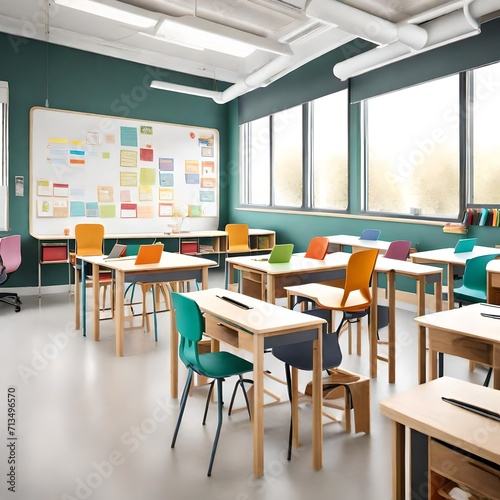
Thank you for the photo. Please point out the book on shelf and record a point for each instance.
(263, 242)
(455, 228)
(206, 249)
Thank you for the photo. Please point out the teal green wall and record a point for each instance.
(86, 82)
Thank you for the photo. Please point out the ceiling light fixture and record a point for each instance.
(112, 9)
(192, 30)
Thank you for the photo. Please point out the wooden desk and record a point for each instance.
(347, 240)
(262, 327)
(422, 410)
(423, 275)
(454, 262)
(172, 267)
(462, 332)
(493, 282)
(266, 281)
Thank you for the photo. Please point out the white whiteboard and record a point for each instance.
(132, 176)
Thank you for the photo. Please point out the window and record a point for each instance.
(413, 150)
(329, 151)
(298, 158)
(484, 172)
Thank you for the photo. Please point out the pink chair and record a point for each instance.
(10, 260)
(398, 250)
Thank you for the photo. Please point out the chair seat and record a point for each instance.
(239, 248)
(222, 364)
(329, 297)
(469, 295)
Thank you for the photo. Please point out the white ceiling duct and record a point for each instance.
(443, 30)
(365, 25)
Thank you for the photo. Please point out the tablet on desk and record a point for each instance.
(117, 252)
(465, 245)
(149, 254)
(280, 254)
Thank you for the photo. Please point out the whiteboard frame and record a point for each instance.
(182, 143)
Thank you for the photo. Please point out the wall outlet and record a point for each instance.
(415, 211)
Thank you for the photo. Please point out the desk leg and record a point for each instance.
(230, 275)
(258, 405)
(496, 366)
(398, 461)
(78, 299)
(271, 289)
(422, 368)
(391, 292)
(317, 403)
(119, 311)
(438, 293)
(451, 299)
(95, 299)
(204, 278)
(373, 327)
(433, 357)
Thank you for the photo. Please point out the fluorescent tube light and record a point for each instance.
(200, 32)
(111, 9)
(184, 89)
(170, 40)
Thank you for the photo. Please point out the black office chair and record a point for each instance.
(10, 260)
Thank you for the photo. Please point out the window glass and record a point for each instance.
(412, 155)
(329, 151)
(485, 136)
(259, 175)
(287, 157)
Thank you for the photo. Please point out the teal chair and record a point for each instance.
(473, 289)
(190, 324)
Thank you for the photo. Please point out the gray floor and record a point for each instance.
(90, 425)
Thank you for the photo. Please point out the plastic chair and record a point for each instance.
(237, 243)
(10, 260)
(89, 240)
(370, 234)
(473, 290)
(190, 324)
(398, 250)
(354, 298)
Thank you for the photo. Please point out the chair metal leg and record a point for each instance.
(208, 401)
(241, 383)
(183, 405)
(289, 388)
(219, 425)
(488, 377)
(154, 313)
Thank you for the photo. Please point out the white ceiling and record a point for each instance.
(301, 32)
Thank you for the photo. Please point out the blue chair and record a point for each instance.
(190, 324)
(370, 234)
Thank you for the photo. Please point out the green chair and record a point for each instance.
(190, 324)
(473, 290)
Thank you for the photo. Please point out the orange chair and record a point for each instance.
(237, 243)
(89, 240)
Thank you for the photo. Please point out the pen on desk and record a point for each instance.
(234, 302)
(489, 305)
(475, 409)
(494, 316)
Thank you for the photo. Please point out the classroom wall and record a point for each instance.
(298, 229)
(86, 82)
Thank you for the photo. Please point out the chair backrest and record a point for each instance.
(475, 272)
(10, 252)
(237, 236)
(359, 273)
(398, 250)
(89, 239)
(318, 246)
(190, 324)
(370, 234)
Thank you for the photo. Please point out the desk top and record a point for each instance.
(422, 409)
(298, 263)
(168, 261)
(262, 319)
(405, 267)
(354, 241)
(466, 321)
(448, 255)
